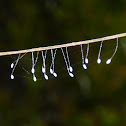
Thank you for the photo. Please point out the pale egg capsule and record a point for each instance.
(46, 77)
(43, 70)
(34, 78)
(108, 61)
(55, 74)
(86, 60)
(12, 65)
(12, 76)
(71, 74)
(71, 69)
(98, 60)
(51, 70)
(32, 70)
(84, 66)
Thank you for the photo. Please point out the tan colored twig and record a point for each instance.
(63, 45)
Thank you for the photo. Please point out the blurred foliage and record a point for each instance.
(95, 97)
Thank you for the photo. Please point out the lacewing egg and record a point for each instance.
(51, 71)
(43, 70)
(46, 77)
(71, 69)
(98, 60)
(55, 74)
(34, 78)
(71, 74)
(108, 61)
(12, 76)
(86, 60)
(12, 65)
(32, 70)
(84, 66)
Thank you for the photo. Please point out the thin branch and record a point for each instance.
(63, 45)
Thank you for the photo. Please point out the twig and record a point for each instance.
(63, 45)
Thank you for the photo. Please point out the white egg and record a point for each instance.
(86, 60)
(71, 69)
(46, 77)
(32, 70)
(12, 76)
(12, 65)
(55, 74)
(84, 66)
(34, 78)
(51, 70)
(71, 74)
(43, 70)
(108, 61)
(98, 60)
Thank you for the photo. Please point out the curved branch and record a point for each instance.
(63, 45)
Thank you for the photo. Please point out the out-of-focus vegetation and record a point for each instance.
(95, 97)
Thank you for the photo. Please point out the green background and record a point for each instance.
(95, 97)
